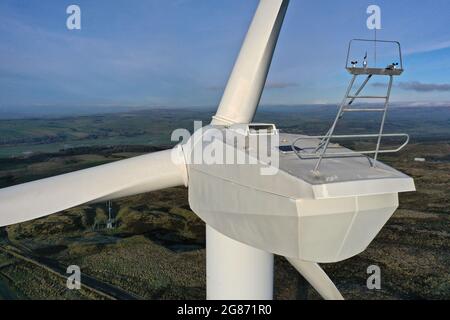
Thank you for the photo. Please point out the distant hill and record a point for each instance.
(28, 135)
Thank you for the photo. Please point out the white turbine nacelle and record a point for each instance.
(275, 203)
(255, 200)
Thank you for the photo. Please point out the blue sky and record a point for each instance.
(179, 53)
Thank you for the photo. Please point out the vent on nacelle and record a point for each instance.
(255, 128)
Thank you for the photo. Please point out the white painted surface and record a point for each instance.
(291, 213)
(235, 270)
(114, 180)
(247, 80)
(318, 279)
(238, 105)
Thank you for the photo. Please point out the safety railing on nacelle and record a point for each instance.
(400, 57)
(305, 155)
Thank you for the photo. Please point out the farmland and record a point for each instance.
(157, 249)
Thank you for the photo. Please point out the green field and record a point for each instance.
(157, 249)
(154, 127)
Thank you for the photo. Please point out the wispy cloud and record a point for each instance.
(429, 47)
(180, 52)
(379, 85)
(418, 86)
(420, 104)
(269, 86)
(280, 85)
(424, 87)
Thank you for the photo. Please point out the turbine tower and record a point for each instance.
(307, 216)
(229, 263)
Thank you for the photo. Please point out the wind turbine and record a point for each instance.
(310, 218)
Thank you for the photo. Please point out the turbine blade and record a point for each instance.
(246, 83)
(315, 275)
(110, 181)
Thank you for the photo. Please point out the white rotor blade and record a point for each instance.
(114, 180)
(246, 83)
(315, 275)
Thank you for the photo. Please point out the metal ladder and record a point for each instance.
(320, 152)
(346, 107)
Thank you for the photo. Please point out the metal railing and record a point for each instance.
(400, 57)
(305, 155)
(320, 151)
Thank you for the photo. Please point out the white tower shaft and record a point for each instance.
(235, 270)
